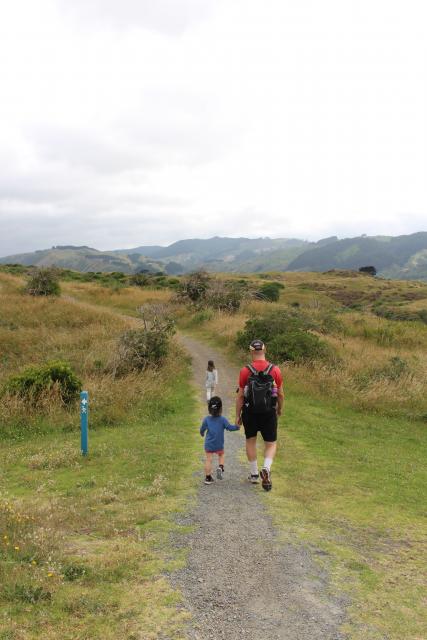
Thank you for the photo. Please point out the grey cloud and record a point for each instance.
(82, 148)
(21, 231)
(171, 17)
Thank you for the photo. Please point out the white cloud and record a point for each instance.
(145, 122)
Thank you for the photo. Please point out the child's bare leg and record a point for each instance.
(208, 463)
(221, 460)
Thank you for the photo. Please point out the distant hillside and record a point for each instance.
(401, 257)
(84, 259)
(225, 254)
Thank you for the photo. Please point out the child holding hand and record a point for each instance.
(214, 425)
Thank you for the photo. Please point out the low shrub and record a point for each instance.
(202, 290)
(287, 335)
(224, 296)
(139, 348)
(270, 291)
(193, 287)
(43, 282)
(53, 378)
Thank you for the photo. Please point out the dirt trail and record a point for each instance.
(240, 581)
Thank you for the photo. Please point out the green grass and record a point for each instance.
(353, 486)
(84, 543)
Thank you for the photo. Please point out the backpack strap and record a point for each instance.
(252, 369)
(268, 369)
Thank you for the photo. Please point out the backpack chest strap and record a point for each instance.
(255, 372)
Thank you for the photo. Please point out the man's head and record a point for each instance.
(257, 349)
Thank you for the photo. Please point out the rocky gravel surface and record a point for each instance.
(241, 581)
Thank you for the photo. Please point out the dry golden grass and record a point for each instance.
(126, 299)
(380, 364)
(36, 330)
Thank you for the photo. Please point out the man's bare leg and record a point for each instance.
(270, 450)
(252, 459)
(251, 449)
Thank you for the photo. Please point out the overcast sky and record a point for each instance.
(130, 122)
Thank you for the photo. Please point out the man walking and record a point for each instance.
(257, 408)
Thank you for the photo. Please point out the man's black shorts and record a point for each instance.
(265, 423)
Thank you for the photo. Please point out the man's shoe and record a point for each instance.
(209, 480)
(219, 473)
(266, 479)
(254, 478)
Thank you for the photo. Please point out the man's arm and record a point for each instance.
(280, 400)
(239, 405)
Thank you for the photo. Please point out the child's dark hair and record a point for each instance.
(211, 365)
(215, 406)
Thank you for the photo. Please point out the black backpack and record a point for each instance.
(258, 392)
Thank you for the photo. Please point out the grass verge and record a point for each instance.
(84, 548)
(351, 487)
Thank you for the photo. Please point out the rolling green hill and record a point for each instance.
(84, 259)
(400, 257)
(403, 257)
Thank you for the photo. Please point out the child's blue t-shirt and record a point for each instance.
(214, 426)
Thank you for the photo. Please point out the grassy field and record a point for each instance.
(353, 486)
(85, 542)
(349, 480)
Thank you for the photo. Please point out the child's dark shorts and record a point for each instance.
(219, 452)
(265, 423)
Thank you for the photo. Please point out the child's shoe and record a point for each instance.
(253, 478)
(209, 480)
(220, 473)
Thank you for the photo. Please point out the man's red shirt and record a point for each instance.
(260, 365)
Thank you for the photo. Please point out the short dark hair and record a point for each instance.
(215, 406)
(256, 345)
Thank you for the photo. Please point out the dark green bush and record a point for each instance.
(37, 381)
(139, 280)
(270, 291)
(44, 282)
(287, 337)
(297, 346)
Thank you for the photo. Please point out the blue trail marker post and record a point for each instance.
(84, 414)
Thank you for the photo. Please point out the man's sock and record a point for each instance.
(267, 463)
(254, 468)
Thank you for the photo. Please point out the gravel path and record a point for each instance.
(240, 581)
